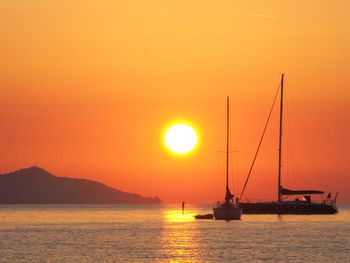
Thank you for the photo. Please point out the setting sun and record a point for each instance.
(180, 138)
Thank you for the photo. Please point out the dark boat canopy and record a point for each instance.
(285, 191)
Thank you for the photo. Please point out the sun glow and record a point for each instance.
(180, 138)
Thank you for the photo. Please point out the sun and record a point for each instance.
(180, 138)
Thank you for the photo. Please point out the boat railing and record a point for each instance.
(220, 204)
(255, 200)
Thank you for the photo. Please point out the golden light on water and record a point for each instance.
(180, 138)
(178, 216)
(180, 237)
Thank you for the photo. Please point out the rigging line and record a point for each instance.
(232, 170)
(260, 142)
(233, 165)
(219, 182)
(304, 179)
(297, 132)
(291, 167)
(309, 146)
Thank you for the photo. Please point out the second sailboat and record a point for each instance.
(227, 210)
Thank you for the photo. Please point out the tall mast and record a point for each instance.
(227, 138)
(280, 143)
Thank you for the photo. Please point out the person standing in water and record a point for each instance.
(183, 206)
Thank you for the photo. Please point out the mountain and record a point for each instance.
(34, 185)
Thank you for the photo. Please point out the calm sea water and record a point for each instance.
(163, 234)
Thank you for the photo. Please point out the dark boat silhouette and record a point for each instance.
(297, 206)
(206, 216)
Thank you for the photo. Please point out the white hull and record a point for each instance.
(227, 213)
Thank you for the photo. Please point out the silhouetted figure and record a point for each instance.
(183, 206)
(229, 197)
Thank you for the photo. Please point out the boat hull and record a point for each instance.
(206, 216)
(227, 213)
(299, 208)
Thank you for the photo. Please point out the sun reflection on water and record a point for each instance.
(180, 237)
(178, 216)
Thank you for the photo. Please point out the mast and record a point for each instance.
(228, 196)
(227, 139)
(280, 142)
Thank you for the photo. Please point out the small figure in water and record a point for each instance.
(183, 206)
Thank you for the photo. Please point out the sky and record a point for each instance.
(87, 88)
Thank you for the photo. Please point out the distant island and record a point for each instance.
(34, 185)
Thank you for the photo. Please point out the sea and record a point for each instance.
(162, 233)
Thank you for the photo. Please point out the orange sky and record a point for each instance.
(87, 87)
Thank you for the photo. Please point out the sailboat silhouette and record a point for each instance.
(306, 206)
(227, 210)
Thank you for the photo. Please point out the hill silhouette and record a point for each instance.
(34, 185)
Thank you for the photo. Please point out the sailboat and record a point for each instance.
(227, 210)
(297, 206)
